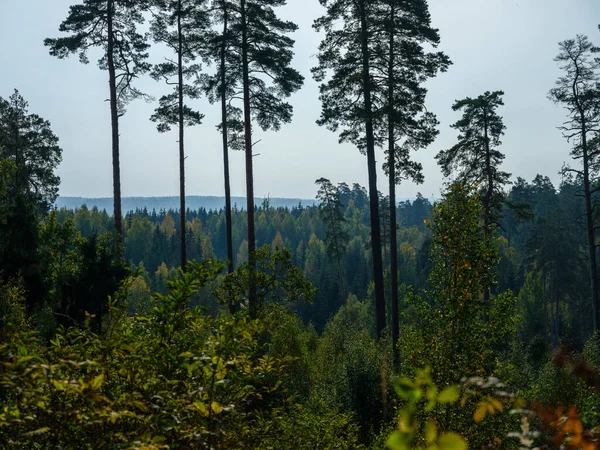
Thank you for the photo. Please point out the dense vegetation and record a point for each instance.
(357, 322)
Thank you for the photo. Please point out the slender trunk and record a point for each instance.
(338, 257)
(545, 305)
(392, 182)
(591, 235)
(556, 312)
(372, 170)
(226, 144)
(487, 219)
(252, 297)
(114, 115)
(181, 136)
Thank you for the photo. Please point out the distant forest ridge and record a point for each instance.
(193, 202)
(172, 203)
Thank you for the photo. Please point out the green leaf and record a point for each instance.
(97, 381)
(449, 395)
(407, 390)
(430, 431)
(398, 441)
(451, 441)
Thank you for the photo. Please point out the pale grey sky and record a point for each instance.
(495, 45)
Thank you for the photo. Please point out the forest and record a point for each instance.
(356, 322)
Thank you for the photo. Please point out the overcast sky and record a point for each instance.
(494, 44)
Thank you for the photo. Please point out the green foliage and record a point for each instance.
(87, 27)
(475, 157)
(423, 392)
(27, 140)
(459, 329)
(276, 279)
(171, 378)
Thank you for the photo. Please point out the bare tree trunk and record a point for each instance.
(487, 219)
(114, 115)
(372, 170)
(392, 187)
(181, 136)
(225, 128)
(252, 297)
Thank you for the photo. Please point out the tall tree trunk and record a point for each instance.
(372, 170)
(114, 115)
(252, 297)
(225, 128)
(181, 136)
(591, 235)
(487, 200)
(392, 186)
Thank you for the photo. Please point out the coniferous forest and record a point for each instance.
(357, 322)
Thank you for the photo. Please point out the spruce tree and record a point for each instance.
(336, 237)
(112, 26)
(578, 92)
(180, 24)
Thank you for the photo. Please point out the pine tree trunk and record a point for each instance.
(225, 129)
(392, 182)
(591, 235)
(114, 115)
(372, 170)
(224, 119)
(252, 297)
(181, 136)
(487, 199)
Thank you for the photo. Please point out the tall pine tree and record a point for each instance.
(181, 26)
(111, 25)
(346, 92)
(402, 66)
(579, 93)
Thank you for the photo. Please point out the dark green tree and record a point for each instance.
(29, 155)
(336, 237)
(578, 91)
(111, 25)
(345, 60)
(180, 25)
(267, 79)
(224, 86)
(475, 159)
(27, 140)
(401, 68)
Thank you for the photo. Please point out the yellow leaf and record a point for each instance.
(480, 412)
(451, 441)
(430, 431)
(97, 381)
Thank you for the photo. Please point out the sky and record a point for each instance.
(504, 45)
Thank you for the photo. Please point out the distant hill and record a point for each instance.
(192, 202)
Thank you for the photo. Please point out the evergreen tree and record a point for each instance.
(347, 101)
(29, 155)
(180, 24)
(224, 87)
(261, 41)
(579, 93)
(112, 26)
(401, 68)
(336, 237)
(27, 140)
(476, 158)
